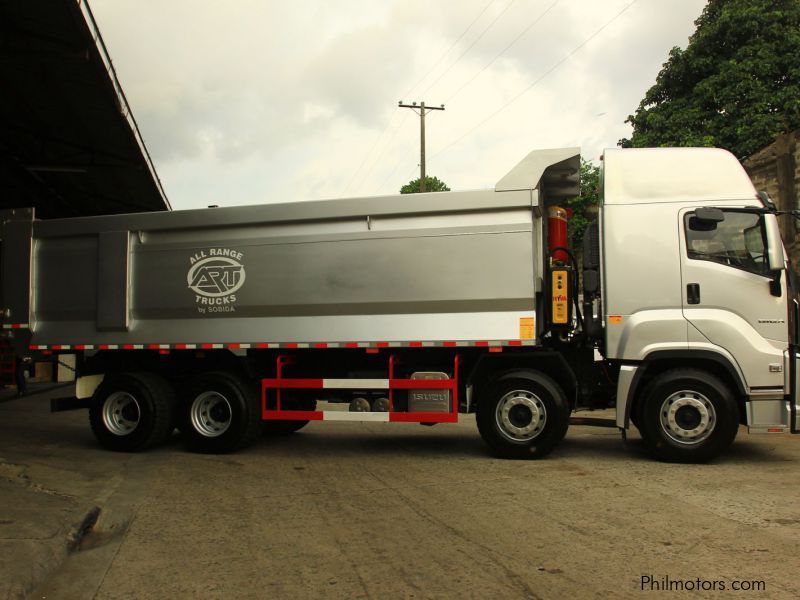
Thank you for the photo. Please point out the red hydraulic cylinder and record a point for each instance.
(557, 218)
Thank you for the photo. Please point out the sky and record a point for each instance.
(261, 101)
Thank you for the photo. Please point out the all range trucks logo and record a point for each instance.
(215, 275)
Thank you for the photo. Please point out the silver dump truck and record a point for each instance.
(226, 322)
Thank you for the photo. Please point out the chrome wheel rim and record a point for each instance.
(520, 415)
(121, 413)
(688, 417)
(211, 414)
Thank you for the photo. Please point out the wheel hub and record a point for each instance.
(210, 414)
(121, 413)
(520, 415)
(688, 417)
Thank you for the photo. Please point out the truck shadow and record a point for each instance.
(381, 444)
(611, 448)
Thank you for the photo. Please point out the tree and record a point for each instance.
(432, 184)
(589, 197)
(736, 86)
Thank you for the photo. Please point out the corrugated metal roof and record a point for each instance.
(69, 144)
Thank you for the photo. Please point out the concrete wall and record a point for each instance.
(776, 170)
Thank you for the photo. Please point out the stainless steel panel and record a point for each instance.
(16, 265)
(768, 416)
(464, 273)
(318, 211)
(454, 266)
(429, 400)
(426, 274)
(112, 281)
(65, 280)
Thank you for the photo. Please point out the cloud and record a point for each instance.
(264, 101)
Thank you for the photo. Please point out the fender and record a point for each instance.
(633, 374)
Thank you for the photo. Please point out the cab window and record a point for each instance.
(738, 240)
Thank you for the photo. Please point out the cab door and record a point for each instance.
(730, 297)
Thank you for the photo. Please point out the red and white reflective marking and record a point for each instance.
(372, 417)
(16, 326)
(284, 345)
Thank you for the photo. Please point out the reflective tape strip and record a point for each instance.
(355, 384)
(341, 415)
(16, 326)
(291, 345)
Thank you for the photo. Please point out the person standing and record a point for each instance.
(19, 375)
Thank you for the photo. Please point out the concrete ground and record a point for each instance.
(347, 510)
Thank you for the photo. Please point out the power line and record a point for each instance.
(376, 158)
(386, 179)
(367, 155)
(504, 50)
(370, 152)
(536, 82)
(453, 45)
(475, 41)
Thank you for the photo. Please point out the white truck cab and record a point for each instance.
(696, 299)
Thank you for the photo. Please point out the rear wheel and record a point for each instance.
(132, 411)
(221, 413)
(688, 416)
(523, 415)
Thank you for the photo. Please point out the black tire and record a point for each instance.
(221, 413)
(542, 414)
(688, 416)
(131, 412)
(287, 427)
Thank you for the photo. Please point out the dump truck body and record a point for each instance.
(416, 308)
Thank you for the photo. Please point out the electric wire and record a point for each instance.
(472, 45)
(386, 145)
(535, 82)
(453, 45)
(504, 50)
(370, 152)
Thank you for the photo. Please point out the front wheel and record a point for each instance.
(688, 416)
(523, 415)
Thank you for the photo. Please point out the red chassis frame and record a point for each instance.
(284, 383)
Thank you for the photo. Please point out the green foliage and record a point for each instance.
(735, 86)
(432, 184)
(589, 197)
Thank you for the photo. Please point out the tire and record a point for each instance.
(523, 415)
(131, 412)
(287, 427)
(221, 413)
(688, 416)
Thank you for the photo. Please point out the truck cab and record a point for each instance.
(696, 300)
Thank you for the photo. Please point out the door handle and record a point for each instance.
(693, 293)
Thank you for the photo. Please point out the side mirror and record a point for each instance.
(775, 253)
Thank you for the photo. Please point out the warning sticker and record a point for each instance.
(614, 319)
(526, 328)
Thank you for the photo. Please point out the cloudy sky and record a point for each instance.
(257, 101)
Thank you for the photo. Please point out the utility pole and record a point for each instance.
(422, 108)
